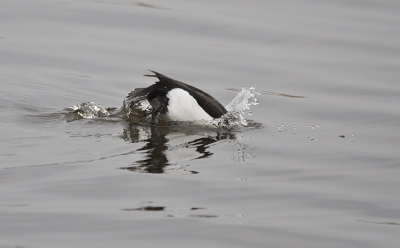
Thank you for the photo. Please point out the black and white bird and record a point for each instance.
(177, 101)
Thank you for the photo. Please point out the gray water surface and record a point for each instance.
(318, 167)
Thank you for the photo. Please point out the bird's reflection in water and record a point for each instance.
(167, 146)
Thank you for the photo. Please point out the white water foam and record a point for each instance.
(88, 110)
(237, 109)
(140, 110)
(137, 111)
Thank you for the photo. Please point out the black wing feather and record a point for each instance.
(207, 102)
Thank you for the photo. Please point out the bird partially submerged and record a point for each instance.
(175, 100)
(172, 100)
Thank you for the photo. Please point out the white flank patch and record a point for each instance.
(183, 107)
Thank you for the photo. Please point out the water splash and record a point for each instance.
(139, 110)
(87, 110)
(237, 109)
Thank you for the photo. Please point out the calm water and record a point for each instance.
(318, 167)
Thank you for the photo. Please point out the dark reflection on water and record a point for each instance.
(146, 208)
(181, 211)
(166, 146)
(161, 208)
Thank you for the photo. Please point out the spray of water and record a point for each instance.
(137, 111)
(88, 110)
(237, 109)
(140, 111)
